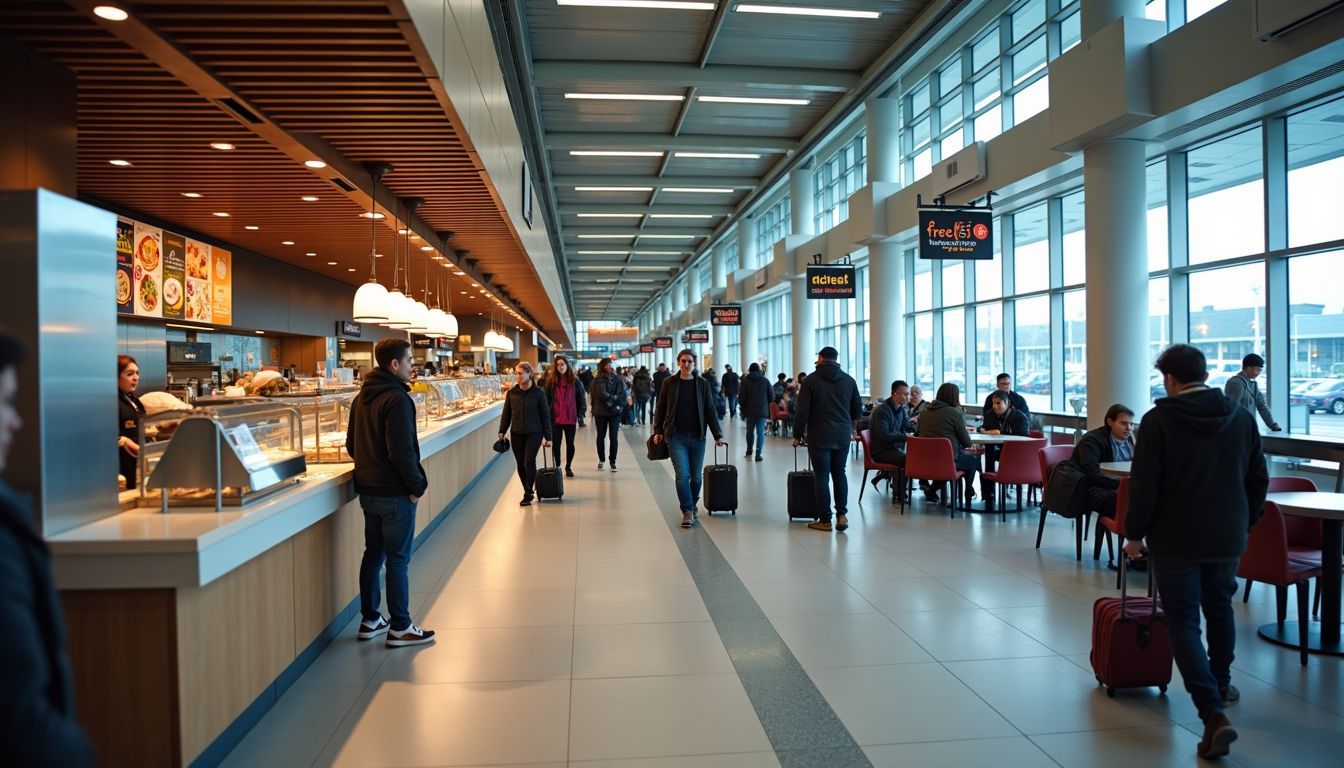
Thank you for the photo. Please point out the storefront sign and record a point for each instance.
(956, 233)
(831, 282)
(662, 342)
(645, 348)
(625, 353)
(349, 328)
(181, 352)
(422, 342)
(613, 335)
(725, 314)
(696, 336)
(163, 274)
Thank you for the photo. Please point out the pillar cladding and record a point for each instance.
(800, 320)
(886, 261)
(747, 335)
(802, 201)
(1114, 178)
(717, 334)
(1096, 14)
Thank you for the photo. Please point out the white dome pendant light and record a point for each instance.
(418, 315)
(398, 305)
(370, 305)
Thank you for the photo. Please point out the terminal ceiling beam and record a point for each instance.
(686, 75)
(689, 233)
(657, 182)
(600, 140)
(648, 210)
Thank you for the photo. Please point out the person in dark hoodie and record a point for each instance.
(755, 394)
(38, 722)
(1002, 418)
(890, 424)
(943, 418)
(586, 379)
(390, 481)
(659, 376)
(1197, 485)
(608, 398)
(731, 386)
(642, 384)
(685, 410)
(827, 406)
(527, 421)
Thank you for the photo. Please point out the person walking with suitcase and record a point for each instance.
(1197, 485)
(568, 401)
(685, 410)
(827, 406)
(608, 397)
(527, 422)
(756, 397)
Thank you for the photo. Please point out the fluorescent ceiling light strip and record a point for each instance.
(800, 10)
(610, 215)
(605, 237)
(669, 5)
(754, 100)
(612, 268)
(721, 155)
(614, 153)
(613, 189)
(701, 190)
(603, 253)
(682, 215)
(627, 96)
(665, 237)
(659, 253)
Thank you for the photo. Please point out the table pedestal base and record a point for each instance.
(1286, 635)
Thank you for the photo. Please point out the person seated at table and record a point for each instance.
(943, 418)
(1002, 418)
(1112, 441)
(1004, 384)
(889, 425)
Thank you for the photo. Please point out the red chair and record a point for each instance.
(1048, 458)
(1018, 465)
(869, 465)
(931, 458)
(1108, 525)
(1035, 487)
(1305, 537)
(1266, 559)
(778, 416)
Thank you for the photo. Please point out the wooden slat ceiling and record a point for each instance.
(339, 76)
(687, 53)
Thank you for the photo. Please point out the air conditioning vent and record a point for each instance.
(342, 184)
(1276, 18)
(238, 109)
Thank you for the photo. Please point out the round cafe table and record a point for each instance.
(1115, 468)
(980, 438)
(1329, 509)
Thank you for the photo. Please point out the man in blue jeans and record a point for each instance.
(1197, 485)
(825, 410)
(390, 481)
(685, 410)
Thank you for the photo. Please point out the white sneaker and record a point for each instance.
(599, 466)
(613, 466)
(412, 635)
(371, 629)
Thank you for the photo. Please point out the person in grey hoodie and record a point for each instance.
(1243, 390)
(827, 406)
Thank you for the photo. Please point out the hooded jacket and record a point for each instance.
(665, 413)
(755, 396)
(643, 385)
(826, 408)
(607, 395)
(1246, 393)
(889, 424)
(1198, 480)
(732, 383)
(939, 419)
(526, 412)
(381, 438)
(659, 377)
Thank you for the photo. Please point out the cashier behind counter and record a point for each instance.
(130, 410)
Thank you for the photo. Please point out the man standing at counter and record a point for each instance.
(389, 480)
(37, 710)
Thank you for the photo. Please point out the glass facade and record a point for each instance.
(771, 227)
(844, 325)
(834, 180)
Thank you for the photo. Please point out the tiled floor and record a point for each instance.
(575, 634)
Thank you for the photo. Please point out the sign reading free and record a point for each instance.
(725, 314)
(831, 281)
(956, 233)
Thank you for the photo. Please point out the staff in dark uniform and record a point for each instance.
(129, 413)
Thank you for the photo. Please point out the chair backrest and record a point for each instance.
(776, 412)
(1266, 555)
(1287, 484)
(1018, 462)
(1049, 457)
(1121, 504)
(1036, 433)
(1302, 531)
(929, 458)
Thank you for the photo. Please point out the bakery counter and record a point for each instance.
(186, 627)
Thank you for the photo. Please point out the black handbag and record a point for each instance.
(1066, 493)
(657, 449)
(502, 445)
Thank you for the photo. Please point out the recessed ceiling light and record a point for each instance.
(403, 231)
(261, 333)
(700, 190)
(375, 215)
(310, 253)
(309, 198)
(222, 214)
(252, 227)
(314, 163)
(350, 269)
(426, 247)
(610, 215)
(613, 189)
(377, 255)
(459, 272)
(464, 293)
(286, 242)
(613, 153)
(475, 285)
(799, 10)
(721, 155)
(683, 216)
(110, 12)
(223, 146)
(192, 195)
(626, 96)
(120, 163)
(754, 100)
(331, 263)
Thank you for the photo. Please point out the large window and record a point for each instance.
(1227, 317)
(954, 283)
(954, 348)
(1316, 174)
(924, 354)
(923, 284)
(1158, 248)
(771, 227)
(1075, 345)
(844, 325)
(1227, 206)
(1316, 353)
(1159, 329)
(1032, 339)
(1075, 239)
(731, 259)
(773, 338)
(988, 348)
(989, 272)
(836, 179)
(1031, 250)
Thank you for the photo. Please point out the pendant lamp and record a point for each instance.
(417, 313)
(398, 306)
(370, 305)
(436, 315)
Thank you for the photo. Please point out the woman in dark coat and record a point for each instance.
(527, 421)
(609, 399)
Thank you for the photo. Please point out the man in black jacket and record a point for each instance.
(1001, 419)
(889, 425)
(585, 376)
(828, 404)
(1109, 442)
(390, 481)
(755, 394)
(1197, 485)
(731, 386)
(685, 410)
(38, 725)
(1004, 383)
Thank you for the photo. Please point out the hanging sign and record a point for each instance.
(349, 328)
(832, 281)
(645, 348)
(662, 342)
(956, 233)
(725, 314)
(625, 353)
(613, 335)
(421, 342)
(696, 336)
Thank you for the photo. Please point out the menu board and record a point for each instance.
(164, 274)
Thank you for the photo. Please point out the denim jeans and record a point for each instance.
(389, 529)
(828, 466)
(688, 461)
(732, 405)
(756, 429)
(642, 408)
(1186, 586)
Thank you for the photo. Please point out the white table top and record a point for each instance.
(1115, 468)
(1319, 504)
(980, 438)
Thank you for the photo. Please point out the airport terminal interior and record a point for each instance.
(304, 201)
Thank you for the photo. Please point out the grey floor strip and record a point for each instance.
(801, 726)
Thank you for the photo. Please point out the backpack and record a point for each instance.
(1066, 493)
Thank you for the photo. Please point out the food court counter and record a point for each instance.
(185, 627)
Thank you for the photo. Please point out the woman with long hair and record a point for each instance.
(609, 399)
(943, 418)
(527, 422)
(129, 413)
(568, 402)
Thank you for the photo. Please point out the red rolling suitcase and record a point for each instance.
(802, 494)
(1130, 648)
(720, 486)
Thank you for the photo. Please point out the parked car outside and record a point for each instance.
(1326, 395)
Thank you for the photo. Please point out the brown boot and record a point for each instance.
(1218, 737)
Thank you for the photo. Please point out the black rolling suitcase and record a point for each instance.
(802, 494)
(720, 486)
(550, 480)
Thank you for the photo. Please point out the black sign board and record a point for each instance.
(725, 314)
(349, 328)
(180, 352)
(625, 353)
(645, 347)
(662, 342)
(697, 336)
(956, 233)
(422, 342)
(831, 282)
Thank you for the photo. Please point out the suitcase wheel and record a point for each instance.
(709, 512)
(1162, 689)
(1110, 692)
(734, 513)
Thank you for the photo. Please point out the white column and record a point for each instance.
(679, 297)
(717, 336)
(803, 337)
(746, 245)
(1099, 13)
(748, 335)
(886, 263)
(693, 291)
(802, 201)
(746, 242)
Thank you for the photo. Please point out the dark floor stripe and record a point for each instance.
(801, 726)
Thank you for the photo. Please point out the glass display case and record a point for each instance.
(220, 455)
(446, 398)
(325, 414)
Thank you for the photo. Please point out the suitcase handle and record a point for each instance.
(1124, 584)
(725, 452)
(795, 458)
(545, 454)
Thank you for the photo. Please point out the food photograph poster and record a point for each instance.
(164, 274)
